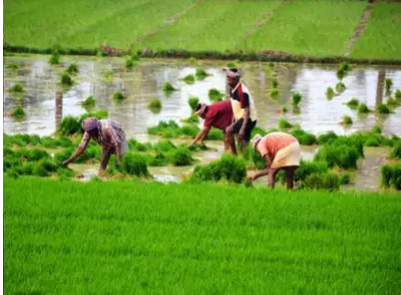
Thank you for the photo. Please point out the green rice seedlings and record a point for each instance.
(296, 98)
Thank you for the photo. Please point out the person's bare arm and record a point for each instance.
(201, 135)
(81, 148)
(241, 133)
(264, 171)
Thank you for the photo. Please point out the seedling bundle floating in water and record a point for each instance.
(215, 95)
(18, 113)
(189, 79)
(17, 88)
(168, 88)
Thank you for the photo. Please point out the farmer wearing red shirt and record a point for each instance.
(218, 115)
(281, 151)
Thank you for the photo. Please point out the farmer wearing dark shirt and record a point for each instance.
(243, 111)
(218, 115)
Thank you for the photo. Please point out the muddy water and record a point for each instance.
(45, 108)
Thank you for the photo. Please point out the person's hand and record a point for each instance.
(201, 143)
(189, 145)
(252, 178)
(66, 162)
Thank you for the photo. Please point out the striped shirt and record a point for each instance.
(111, 135)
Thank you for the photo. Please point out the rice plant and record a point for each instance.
(340, 87)
(155, 104)
(168, 88)
(193, 102)
(296, 98)
(89, 102)
(118, 96)
(16, 88)
(383, 109)
(347, 120)
(215, 95)
(330, 93)
(201, 74)
(66, 79)
(284, 124)
(388, 85)
(189, 79)
(274, 92)
(377, 129)
(72, 69)
(353, 103)
(18, 113)
(363, 109)
(55, 58)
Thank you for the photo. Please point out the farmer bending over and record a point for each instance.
(108, 134)
(243, 110)
(280, 151)
(218, 115)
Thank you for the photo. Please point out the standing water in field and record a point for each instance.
(46, 101)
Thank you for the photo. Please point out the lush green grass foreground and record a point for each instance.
(63, 237)
(305, 30)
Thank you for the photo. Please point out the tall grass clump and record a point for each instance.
(388, 84)
(118, 96)
(227, 169)
(274, 83)
(73, 69)
(383, 109)
(353, 103)
(330, 93)
(296, 98)
(135, 56)
(54, 58)
(193, 102)
(189, 79)
(18, 88)
(18, 113)
(391, 175)
(215, 95)
(168, 88)
(363, 109)
(284, 124)
(340, 87)
(89, 102)
(201, 74)
(396, 153)
(347, 120)
(192, 60)
(66, 79)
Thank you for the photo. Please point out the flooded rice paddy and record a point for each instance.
(46, 102)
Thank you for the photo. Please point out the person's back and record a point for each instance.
(219, 115)
(273, 142)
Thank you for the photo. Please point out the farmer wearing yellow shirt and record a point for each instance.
(243, 110)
